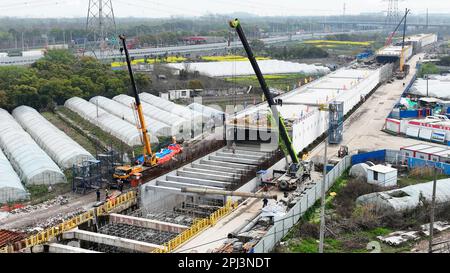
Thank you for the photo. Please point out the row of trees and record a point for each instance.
(296, 52)
(59, 76)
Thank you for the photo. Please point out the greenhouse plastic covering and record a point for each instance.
(438, 87)
(10, 187)
(32, 164)
(182, 111)
(177, 123)
(121, 129)
(408, 197)
(243, 68)
(60, 147)
(154, 126)
(206, 111)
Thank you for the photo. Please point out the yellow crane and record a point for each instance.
(149, 158)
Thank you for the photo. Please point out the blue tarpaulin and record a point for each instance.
(416, 162)
(371, 156)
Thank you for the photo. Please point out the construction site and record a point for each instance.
(154, 176)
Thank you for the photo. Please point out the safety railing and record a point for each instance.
(198, 226)
(51, 233)
(115, 202)
(4, 249)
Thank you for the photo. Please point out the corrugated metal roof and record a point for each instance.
(8, 237)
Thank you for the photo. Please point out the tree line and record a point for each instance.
(59, 76)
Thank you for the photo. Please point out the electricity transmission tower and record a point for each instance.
(101, 28)
(393, 16)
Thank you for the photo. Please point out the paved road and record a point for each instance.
(363, 129)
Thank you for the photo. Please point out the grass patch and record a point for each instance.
(332, 42)
(71, 132)
(170, 59)
(303, 237)
(105, 137)
(39, 193)
(413, 180)
(279, 81)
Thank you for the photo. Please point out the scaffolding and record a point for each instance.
(94, 174)
(336, 126)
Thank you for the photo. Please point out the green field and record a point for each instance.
(285, 82)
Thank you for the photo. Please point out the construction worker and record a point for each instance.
(233, 147)
(265, 202)
(98, 194)
(106, 194)
(120, 185)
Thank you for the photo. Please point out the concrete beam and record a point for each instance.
(177, 191)
(59, 248)
(234, 160)
(146, 223)
(166, 189)
(197, 181)
(173, 184)
(217, 168)
(226, 164)
(110, 240)
(210, 171)
(245, 152)
(246, 156)
(223, 178)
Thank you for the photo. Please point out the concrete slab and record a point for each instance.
(146, 223)
(197, 181)
(110, 240)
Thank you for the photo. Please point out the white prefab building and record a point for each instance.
(308, 123)
(427, 152)
(382, 175)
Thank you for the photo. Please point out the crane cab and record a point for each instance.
(125, 172)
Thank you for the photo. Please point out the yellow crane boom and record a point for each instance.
(149, 157)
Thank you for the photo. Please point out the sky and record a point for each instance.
(168, 8)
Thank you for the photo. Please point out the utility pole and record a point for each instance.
(433, 204)
(322, 205)
(23, 44)
(427, 21)
(427, 83)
